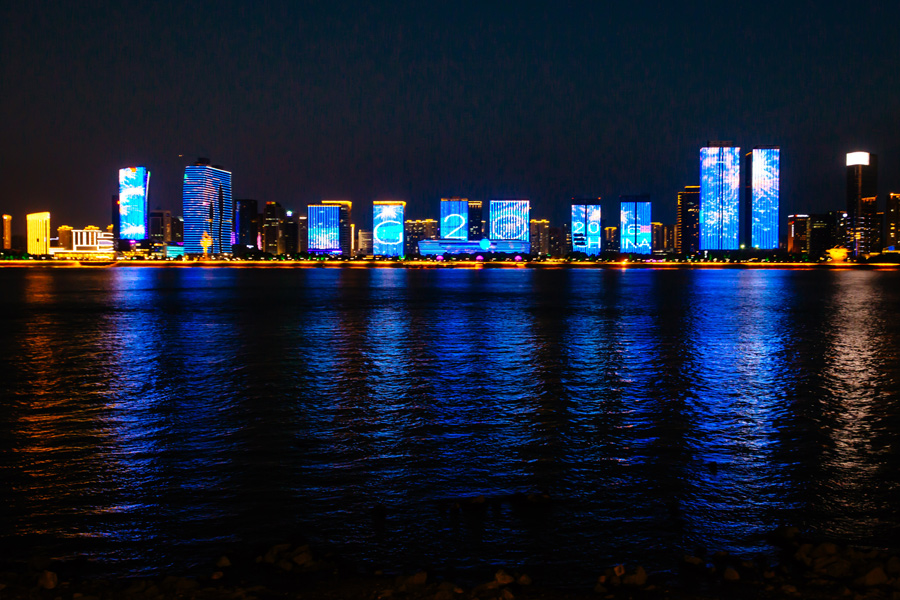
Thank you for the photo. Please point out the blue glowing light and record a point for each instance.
(454, 219)
(720, 180)
(324, 229)
(387, 229)
(509, 220)
(134, 183)
(587, 228)
(208, 210)
(438, 247)
(635, 228)
(766, 168)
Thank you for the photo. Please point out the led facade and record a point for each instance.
(38, 229)
(720, 179)
(509, 220)
(766, 171)
(454, 219)
(635, 227)
(134, 183)
(208, 210)
(387, 228)
(473, 247)
(324, 229)
(587, 228)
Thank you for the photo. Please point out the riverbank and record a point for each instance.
(296, 571)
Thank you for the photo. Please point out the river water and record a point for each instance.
(150, 418)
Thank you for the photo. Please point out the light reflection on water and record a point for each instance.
(151, 417)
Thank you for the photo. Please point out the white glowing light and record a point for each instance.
(857, 158)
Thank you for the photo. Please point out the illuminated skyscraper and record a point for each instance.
(720, 180)
(687, 227)
(345, 231)
(509, 220)
(246, 224)
(208, 209)
(415, 231)
(540, 236)
(455, 219)
(635, 226)
(476, 220)
(587, 228)
(134, 184)
(798, 234)
(274, 216)
(862, 201)
(892, 223)
(765, 166)
(387, 228)
(324, 236)
(7, 232)
(160, 226)
(38, 229)
(64, 237)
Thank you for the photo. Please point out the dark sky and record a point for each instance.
(414, 101)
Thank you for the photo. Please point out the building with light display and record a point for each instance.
(134, 185)
(324, 233)
(763, 200)
(38, 231)
(720, 180)
(387, 228)
(862, 202)
(635, 225)
(454, 219)
(687, 226)
(798, 234)
(345, 227)
(273, 219)
(587, 228)
(510, 219)
(208, 210)
(7, 232)
(473, 248)
(539, 235)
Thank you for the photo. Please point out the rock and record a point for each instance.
(503, 578)
(892, 566)
(418, 579)
(730, 574)
(284, 564)
(505, 594)
(444, 595)
(768, 574)
(223, 562)
(789, 589)
(874, 577)
(600, 589)
(217, 575)
(48, 580)
(824, 549)
(301, 559)
(186, 585)
(839, 568)
(524, 580)
(638, 578)
(693, 560)
(619, 570)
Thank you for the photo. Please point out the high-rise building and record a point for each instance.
(763, 196)
(476, 220)
(611, 238)
(38, 231)
(246, 225)
(324, 228)
(455, 219)
(160, 226)
(64, 237)
(364, 242)
(208, 209)
(687, 228)
(273, 228)
(416, 231)
(862, 201)
(891, 223)
(387, 228)
(720, 180)
(290, 230)
(558, 248)
(669, 237)
(798, 234)
(7, 233)
(134, 184)
(658, 236)
(635, 228)
(825, 231)
(509, 220)
(302, 232)
(345, 231)
(587, 227)
(540, 236)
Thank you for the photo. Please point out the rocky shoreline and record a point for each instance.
(295, 571)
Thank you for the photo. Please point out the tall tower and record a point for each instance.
(687, 227)
(509, 220)
(208, 209)
(635, 225)
(344, 229)
(765, 178)
(455, 219)
(387, 227)
(7, 233)
(134, 184)
(38, 229)
(476, 220)
(720, 180)
(892, 223)
(862, 201)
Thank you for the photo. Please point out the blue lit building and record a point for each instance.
(387, 228)
(720, 180)
(472, 247)
(455, 219)
(134, 184)
(208, 209)
(324, 228)
(635, 226)
(587, 228)
(765, 167)
(510, 220)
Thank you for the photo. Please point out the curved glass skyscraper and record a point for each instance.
(208, 209)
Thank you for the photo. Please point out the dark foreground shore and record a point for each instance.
(292, 571)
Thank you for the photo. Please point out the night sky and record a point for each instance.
(415, 102)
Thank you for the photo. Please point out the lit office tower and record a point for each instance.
(208, 209)
(540, 236)
(324, 235)
(345, 230)
(7, 232)
(765, 166)
(387, 227)
(635, 226)
(798, 234)
(687, 226)
(159, 226)
(38, 229)
(273, 219)
(134, 183)
(891, 223)
(720, 180)
(246, 224)
(862, 201)
(509, 220)
(414, 231)
(476, 220)
(587, 228)
(455, 219)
